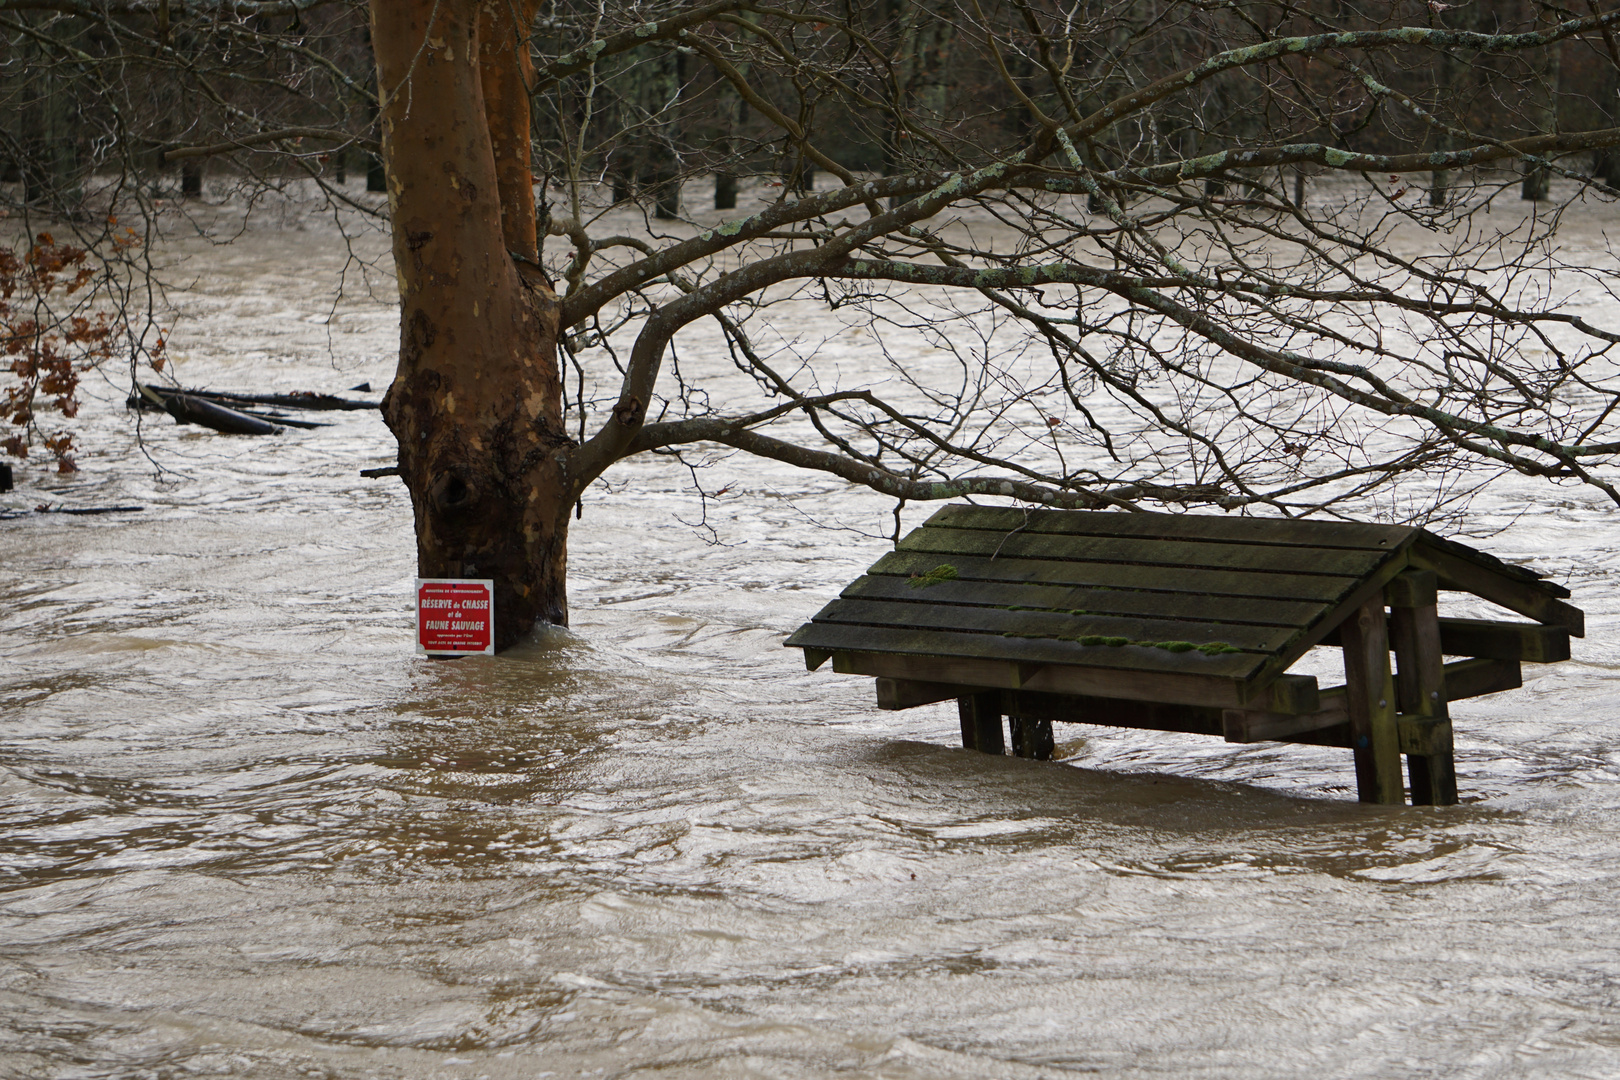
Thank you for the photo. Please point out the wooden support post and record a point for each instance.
(1420, 686)
(1032, 738)
(981, 722)
(1370, 702)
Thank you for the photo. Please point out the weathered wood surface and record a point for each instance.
(1412, 588)
(1189, 623)
(1206, 609)
(1273, 586)
(1481, 676)
(1327, 725)
(1530, 642)
(971, 671)
(1539, 600)
(1031, 737)
(1255, 531)
(980, 714)
(1486, 561)
(1369, 691)
(1461, 679)
(1065, 588)
(926, 641)
(1111, 712)
(1416, 636)
(190, 410)
(1139, 603)
(896, 694)
(1176, 554)
(1279, 531)
(1027, 623)
(1262, 725)
(1428, 737)
(1497, 639)
(907, 681)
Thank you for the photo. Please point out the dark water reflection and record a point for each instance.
(247, 834)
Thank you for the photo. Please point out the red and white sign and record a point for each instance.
(455, 616)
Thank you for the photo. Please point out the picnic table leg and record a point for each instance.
(1420, 687)
(1031, 738)
(981, 722)
(1370, 699)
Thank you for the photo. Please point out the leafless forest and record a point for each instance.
(1179, 252)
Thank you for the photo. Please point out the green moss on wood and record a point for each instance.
(1216, 648)
(942, 572)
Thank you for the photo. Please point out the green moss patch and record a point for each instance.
(942, 572)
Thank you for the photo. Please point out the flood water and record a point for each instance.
(247, 833)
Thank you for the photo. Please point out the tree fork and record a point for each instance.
(476, 404)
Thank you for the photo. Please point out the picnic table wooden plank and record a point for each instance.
(1530, 642)
(841, 637)
(1041, 625)
(1290, 696)
(1263, 725)
(1122, 602)
(1534, 599)
(1252, 583)
(1282, 532)
(1112, 712)
(1049, 616)
(1462, 679)
(978, 672)
(1486, 561)
(1148, 554)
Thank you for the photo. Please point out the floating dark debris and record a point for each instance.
(78, 511)
(241, 414)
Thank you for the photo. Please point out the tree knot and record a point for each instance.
(628, 411)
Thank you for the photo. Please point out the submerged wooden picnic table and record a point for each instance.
(1185, 622)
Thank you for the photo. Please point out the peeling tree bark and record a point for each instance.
(476, 404)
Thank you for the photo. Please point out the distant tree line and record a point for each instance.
(160, 93)
(1082, 241)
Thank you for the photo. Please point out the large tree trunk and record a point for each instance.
(477, 401)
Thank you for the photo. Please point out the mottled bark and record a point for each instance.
(476, 404)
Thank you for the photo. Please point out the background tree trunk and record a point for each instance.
(49, 169)
(191, 177)
(1450, 70)
(725, 191)
(477, 401)
(1543, 112)
(735, 112)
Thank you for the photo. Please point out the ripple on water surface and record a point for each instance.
(247, 833)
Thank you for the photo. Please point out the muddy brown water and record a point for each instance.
(246, 833)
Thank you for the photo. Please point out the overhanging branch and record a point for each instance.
(901, 487)
(245, 142)
(1323, 373)
(1334, 158)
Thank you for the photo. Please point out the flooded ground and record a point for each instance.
(246, 833)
